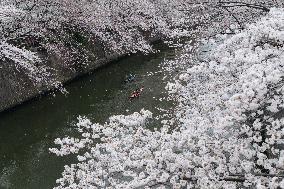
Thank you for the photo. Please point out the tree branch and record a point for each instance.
(242, 4)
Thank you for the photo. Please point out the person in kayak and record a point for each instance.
(130, 78)
(136, 93)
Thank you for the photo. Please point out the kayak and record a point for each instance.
(136, 93)
(130, 78)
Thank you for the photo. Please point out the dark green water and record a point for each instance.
(29, 130)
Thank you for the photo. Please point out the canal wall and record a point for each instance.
(17, 86)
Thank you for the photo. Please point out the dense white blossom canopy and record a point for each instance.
(229, 128)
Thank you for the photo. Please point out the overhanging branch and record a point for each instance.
(242, 4)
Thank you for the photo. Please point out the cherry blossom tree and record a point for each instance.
(228, 131)
(229, 127)
(71, 30)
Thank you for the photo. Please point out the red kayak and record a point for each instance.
(136, 93)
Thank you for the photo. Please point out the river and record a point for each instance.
(27, 131)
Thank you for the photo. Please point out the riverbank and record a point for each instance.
(43, 45)
(17, 88)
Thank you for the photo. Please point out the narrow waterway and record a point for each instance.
(27, 131)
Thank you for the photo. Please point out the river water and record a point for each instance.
(27, 131)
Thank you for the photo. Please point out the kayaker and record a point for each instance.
(136, 93)
(130, 78)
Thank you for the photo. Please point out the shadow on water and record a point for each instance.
(27, 131)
